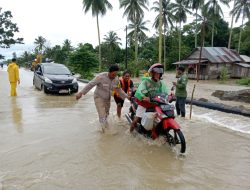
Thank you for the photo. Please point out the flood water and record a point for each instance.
(54, 142)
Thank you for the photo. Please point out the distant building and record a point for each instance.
(213, 59)
(245, 58)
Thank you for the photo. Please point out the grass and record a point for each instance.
(244, 81)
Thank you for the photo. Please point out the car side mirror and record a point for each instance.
(73, 73)
(39, 72)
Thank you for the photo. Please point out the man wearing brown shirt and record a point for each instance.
(105, 83)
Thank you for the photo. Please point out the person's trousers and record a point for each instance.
(13, 88)
(102, 107)
(180, 106)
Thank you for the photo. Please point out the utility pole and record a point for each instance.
(126, 60)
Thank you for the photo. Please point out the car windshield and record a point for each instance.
(56, 70)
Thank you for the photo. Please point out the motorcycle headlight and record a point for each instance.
(74, 80)
(47, 80)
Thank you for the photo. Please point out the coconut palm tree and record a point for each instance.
(168, 19)
(98, 8)
(242, 8)
(180, 10)
(160, 30)
(203, 19)
(112, 40)
(138, 28)
(231, 27)
(66, 49)
(195, 5)
(133, 9)
(67, 45)
(40, 46)
(213, 6)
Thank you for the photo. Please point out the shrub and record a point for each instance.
(224, 74)
(244, 81)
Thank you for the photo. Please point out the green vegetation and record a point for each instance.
(7, 31)
(224, 74)
(244, 81)
(83, 61)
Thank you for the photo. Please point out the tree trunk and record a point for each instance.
(164, 49)
(180, 42)
(136, 49)
(160, 30)
(195, 36)
(99, 40)
(240, 34)
(212, 40)
(231, 30)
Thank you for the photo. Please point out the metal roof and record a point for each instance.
(189, 62)
(243, 65)
(213, 55)
(220, 55)
(245, 58)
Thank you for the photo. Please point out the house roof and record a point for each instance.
(243, 65)
(245, 58)
(213, 55)
(189, 62)
(220, 55)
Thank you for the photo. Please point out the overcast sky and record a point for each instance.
(57, 20)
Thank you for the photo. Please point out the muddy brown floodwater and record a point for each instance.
(54, 142)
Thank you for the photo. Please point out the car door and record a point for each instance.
(38, 77)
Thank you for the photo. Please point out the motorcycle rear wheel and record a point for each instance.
(176, 139)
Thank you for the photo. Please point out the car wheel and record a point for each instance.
(44, 89)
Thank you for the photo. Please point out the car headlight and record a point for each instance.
(74, 80)
(47, 80)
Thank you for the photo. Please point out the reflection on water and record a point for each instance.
(55, 101)
(16, 114)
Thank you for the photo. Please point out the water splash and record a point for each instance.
(226, 120)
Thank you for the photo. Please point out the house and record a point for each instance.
(245, 58)
(241, 69)
(212, 60)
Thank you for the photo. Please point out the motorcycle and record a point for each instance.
(159, 120)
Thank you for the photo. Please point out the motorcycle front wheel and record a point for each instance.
(176, 139)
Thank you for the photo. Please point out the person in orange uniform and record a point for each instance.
(13, 72)
(127, 86)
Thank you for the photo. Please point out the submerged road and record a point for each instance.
(53, 142)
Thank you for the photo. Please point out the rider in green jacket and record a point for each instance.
(147, 89)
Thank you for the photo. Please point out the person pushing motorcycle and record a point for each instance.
(148, 88)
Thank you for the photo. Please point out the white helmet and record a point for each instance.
(156, 68)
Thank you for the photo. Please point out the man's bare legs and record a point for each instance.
(119, 110)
